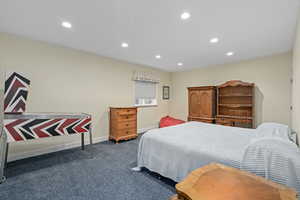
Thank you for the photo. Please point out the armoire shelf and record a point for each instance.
(235, 105)
(237, 117)
(235, 95)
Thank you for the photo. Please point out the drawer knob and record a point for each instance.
(127, 132)
(127, 124)
(127, 117)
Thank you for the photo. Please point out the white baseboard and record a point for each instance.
(37, 152)
(61, 147)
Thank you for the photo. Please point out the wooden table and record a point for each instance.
(219, 182)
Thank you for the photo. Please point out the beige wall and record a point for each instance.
(270, 74)
(296, 82)
(66, 80)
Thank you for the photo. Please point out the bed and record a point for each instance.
(175, 151)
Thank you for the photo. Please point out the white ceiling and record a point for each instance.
(250, 28)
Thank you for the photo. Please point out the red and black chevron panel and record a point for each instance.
(28, 129)
(15, 93)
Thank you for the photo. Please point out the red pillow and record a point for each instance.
(169, 121)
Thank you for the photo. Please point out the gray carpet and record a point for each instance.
(102, 171)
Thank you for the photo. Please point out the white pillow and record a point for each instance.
(269, 129)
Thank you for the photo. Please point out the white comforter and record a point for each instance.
(175, 151)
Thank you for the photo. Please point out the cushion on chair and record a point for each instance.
(169, 121)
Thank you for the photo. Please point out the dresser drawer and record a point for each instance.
(124, 125)
(126, 118)
(127, 111)
(224, 122)
(126, 132)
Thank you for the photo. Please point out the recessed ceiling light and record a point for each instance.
(185, 15)
(230, 53)
(214, 40)
(179, 64)
(66, 24)
(158, 56)
(124, 45)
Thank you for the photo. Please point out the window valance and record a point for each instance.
(145, 76)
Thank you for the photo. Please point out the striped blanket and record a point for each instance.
(275, 159)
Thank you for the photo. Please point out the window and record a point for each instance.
(145, 93)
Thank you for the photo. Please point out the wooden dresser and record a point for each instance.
(123, 123)
(202, 101)
(235, 104)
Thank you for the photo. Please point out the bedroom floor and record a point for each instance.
(102, 171)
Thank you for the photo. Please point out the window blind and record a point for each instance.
(145, 92)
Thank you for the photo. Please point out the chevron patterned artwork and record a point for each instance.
(28, 129)
(15, 93)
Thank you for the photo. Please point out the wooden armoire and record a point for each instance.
(202, 104)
